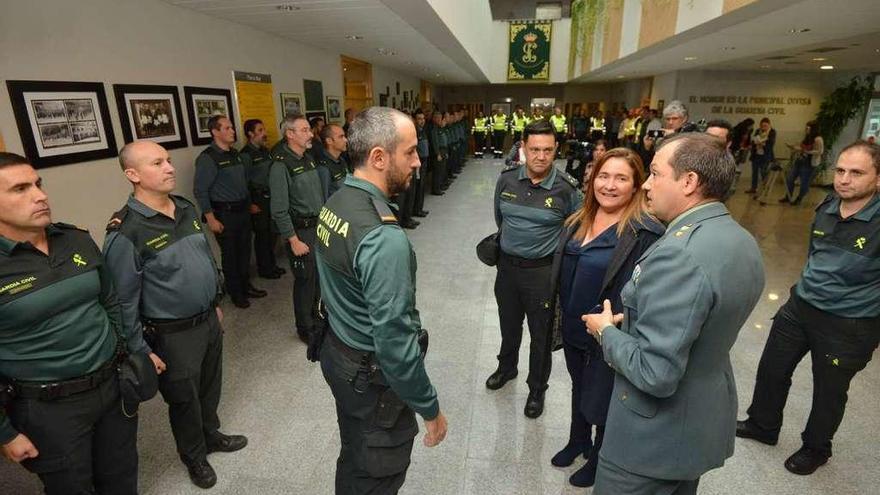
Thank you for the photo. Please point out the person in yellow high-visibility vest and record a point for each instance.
(499, 125)
(518, 122)
(560, 127)
(480, 131)
(597, 126)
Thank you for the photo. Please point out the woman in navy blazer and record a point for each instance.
(594, 259)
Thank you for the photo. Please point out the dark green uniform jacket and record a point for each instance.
(258, 162)
(220, 176)
(58, 313)
(531, 215)
(163, 268)
(333, 172)
(367, 271)
(295, 188)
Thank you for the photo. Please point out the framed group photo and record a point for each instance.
(62, 122)
(291, 104)
(201, 105)
(152, 113)
(334, 109)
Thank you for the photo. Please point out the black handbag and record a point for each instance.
(489, 249)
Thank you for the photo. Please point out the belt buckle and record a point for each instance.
(51, 391)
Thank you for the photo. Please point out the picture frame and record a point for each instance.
(504, 106)
(314, 95)
(62, 122)
(291, 104)
(151, 112)
(201, 105)
(334, 109)
(383, 100)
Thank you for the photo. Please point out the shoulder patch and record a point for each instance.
(568, 178)
(509, 168)
(685, 231)
(385, 214)
(69, 226)
(116, 220)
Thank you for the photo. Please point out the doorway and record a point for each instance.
(357, 77)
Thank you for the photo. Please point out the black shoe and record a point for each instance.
(805, 461)
(748, 429)
(271, 275)
(499, 378)
(416, 222)
(441, 193)
(241, 302)
(421, 214)
(409, 225)
(750, 191)
(201, 473)
(256, 293)
(280, 271)
(585, 476)
(568, 454)
(226, 443)
(303, 335)
(796, 201)
(534, 405)
(785, 200)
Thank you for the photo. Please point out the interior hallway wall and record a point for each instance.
(139, 42)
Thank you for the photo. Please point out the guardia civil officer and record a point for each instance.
(833, 313)
(531, 204)
(258, 183)
(420, 177)
(371, 357)
(168, 285)
(480, 131)
(332, 163)
(439, 154)
(221, 191)
(61, 414)
(297, 196)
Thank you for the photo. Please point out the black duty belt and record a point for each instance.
(527, 262)
(348, 351)
(65, 388)
(230, 205)
(305, 222)
(171, 326)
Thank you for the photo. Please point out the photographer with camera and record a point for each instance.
(675, 119)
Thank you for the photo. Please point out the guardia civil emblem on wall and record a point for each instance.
(529, 55)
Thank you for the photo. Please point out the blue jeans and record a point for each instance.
(759, 169)
(802, 170)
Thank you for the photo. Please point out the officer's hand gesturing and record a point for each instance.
(436, 430)
(158, 363)
(298, 247)
(19, 449)
(215, 225)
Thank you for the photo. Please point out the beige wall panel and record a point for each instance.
(658, 21)
(731, 5)
(612, 34)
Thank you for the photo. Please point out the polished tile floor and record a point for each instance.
(280, 400)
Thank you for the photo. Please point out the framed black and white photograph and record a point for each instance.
(62, 122)
(201, 105)
(152, 113)
(334, 109)
(291, 104)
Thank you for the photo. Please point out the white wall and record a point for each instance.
(632, 21)
(468, 21)
(138, 42)
(664, 88)
(693, 13)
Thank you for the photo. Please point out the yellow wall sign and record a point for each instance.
(255, 101)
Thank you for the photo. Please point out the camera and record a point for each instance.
(655, 133)
(690, 127)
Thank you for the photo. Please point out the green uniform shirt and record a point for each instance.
(258, 168)
(842, 274)
(294, 187)
(58, 313)
(221, 176)
(162, 267)
(332, 172)
(367, 272)
(531, 215)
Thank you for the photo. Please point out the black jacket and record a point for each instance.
(634, 241)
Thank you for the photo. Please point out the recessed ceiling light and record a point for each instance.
(826, 67)
(437, 74)
(819, 59)
(508, 99)
(689, 59)
(287, 7)
(354, 37)
(620, 76)
(798, 30)
(728, 48)
(344, 69)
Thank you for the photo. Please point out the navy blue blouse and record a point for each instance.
(583, 269)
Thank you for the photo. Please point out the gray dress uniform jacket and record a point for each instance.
(673, 410)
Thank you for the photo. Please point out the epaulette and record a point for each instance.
(116, 220)
(509, 168)
(685, 231)
(830, 197)
(568, 178)
(384, 211)
(70, 226)
(181, 198)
